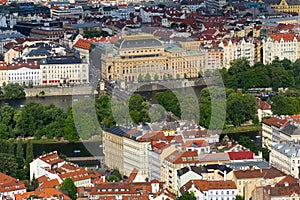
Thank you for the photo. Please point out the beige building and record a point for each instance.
(64, 69)
(281, 46)
(247, 180)
(174, 162)
(113, 144)
(236, 49)
(143, 58)
(11, 54)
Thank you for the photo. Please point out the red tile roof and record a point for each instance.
(259, 173)
(51, 158)
(18, 65)
(178, 157)
(275, 121)
(262, 104)
(204, 185)
(288, 179)
(241, 155)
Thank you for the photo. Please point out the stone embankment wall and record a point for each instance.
(59, 91)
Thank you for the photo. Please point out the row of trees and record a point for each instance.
(287, 103)
(216, 106)
(280, 73)
(12, 91)
(15, 156)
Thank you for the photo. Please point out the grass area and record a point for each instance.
(241, 129)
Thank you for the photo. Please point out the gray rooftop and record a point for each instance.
(290, 129)
(242, 165)
(138, 43)
(289, 148)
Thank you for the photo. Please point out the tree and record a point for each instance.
(70, 131)
(138, 109)
(69, 188)
(147, 77)
(156, 77)
(113, 178)
(8, 164)
(14, 91)
(140, 78)
(187, 196)
(239, 197)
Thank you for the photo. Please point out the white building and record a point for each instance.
(281, 46)
(236, 49)
(186, 174)
(269, 127)
(64, 69)
(285, 156)
(206, 190)
(135, 153)
(157, 152)
(39, 166)
(24, 73)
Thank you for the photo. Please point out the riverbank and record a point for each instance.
(59, 91)
(241, 129)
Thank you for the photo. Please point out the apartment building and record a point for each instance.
(285, 156)
(269, 126)
(64, 69)
(247, 180)
(281, 46)
(23, 73)
(135, 153)
(3, 73)
(157, 152)
(113, 147)
(174, 162)
(206, 190)
(236, 49)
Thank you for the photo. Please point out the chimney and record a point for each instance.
(225, 175)
(286, 184)
(261, 170)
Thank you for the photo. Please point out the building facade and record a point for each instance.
(281, 46)
(285, 156)
(64, 70)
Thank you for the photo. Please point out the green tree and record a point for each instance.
(140, 78)
(113, 178)
(138, 109)
(8, 164)
(69, 188)
(187, 196)
(239, 197)
(156, 77)
(70, 131)
(14, 91)
(147, 77)
(169, 101)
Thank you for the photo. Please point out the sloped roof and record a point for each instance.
(259, 173)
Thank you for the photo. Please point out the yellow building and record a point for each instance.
(247, 180)
(143, 57)
(284, 6)
(113, 140)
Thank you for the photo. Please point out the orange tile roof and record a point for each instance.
(49, 184)
(9, 184)
(49, 193)
(287, 37)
